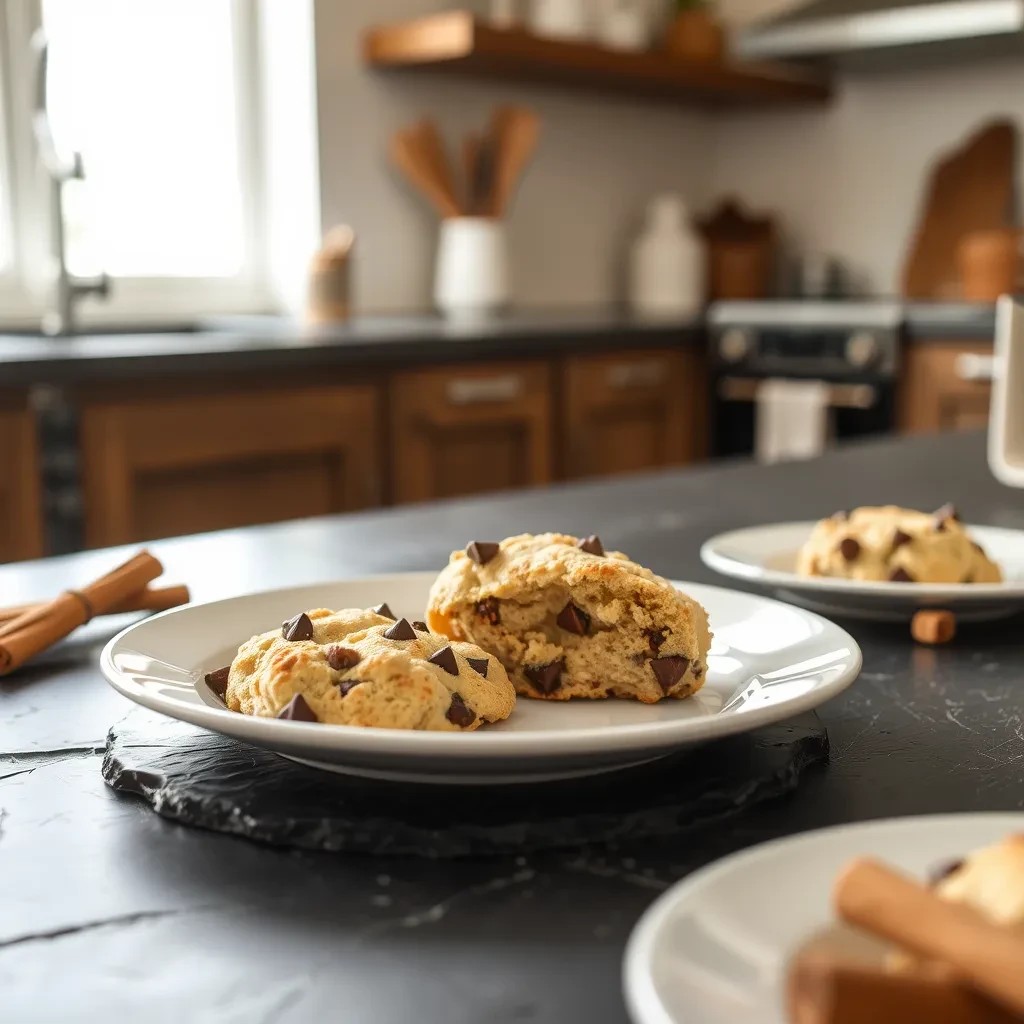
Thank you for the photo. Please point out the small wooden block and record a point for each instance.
(933, 627)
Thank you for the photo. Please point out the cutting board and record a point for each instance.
(971, 189)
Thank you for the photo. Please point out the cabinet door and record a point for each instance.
(467, 429)
(632, 410)
(21, 507)
(164, 466)
(937, 394)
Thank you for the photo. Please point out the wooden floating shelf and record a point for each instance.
(458, 42)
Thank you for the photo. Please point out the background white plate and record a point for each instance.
(766, 555)
(769, 661)
(714, 948)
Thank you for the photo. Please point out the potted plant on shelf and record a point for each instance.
(695, 33)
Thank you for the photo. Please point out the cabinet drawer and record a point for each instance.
(21, 507)
(944, 387)
(470, 428)
(632, 410)
(164, 466)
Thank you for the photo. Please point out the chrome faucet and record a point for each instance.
(68, 288)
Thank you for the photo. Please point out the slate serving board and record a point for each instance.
(209, 781)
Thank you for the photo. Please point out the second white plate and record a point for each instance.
(714, 948)
(766, 555)
(769, 661)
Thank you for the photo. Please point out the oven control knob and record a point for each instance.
(734, 345)
(862, 349)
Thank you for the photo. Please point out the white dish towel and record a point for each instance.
(792, 419)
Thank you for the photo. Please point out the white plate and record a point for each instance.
(766, 555)
(769, 661)
(714, 948)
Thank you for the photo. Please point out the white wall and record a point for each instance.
(599, 161)
(848, 179)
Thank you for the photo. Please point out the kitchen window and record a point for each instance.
(161, 100)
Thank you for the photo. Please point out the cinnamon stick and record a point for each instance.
(826, 989)
(36, 630)
(988, 956)
(151, 599)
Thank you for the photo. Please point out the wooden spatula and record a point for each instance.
(515, 131)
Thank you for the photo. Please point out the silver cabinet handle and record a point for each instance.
(636, 375)
(473, 390)
(973, 367)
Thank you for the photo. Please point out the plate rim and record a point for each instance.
(665, 735)
(643, 1004)
(734, 568)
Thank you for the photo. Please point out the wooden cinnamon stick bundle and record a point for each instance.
(34, 631)
(151, 599)
(987, 956)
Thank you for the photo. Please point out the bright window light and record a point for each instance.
(146, 90)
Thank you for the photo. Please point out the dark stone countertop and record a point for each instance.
(949, 321)
(260, 344)
(111, 912)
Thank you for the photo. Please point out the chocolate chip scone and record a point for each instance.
(568, 619)
(361, 667)
(898, 545)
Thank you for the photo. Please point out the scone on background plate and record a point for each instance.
(362, 667)
(898, 545)
(568, 619)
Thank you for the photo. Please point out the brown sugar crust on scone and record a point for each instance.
(898, 545)
(568, 619)
(351, 672)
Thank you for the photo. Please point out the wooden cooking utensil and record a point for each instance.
(516, 131)
(414, 158)
(971, 189)
(432, 147)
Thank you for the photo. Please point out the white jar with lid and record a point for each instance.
(666, 273)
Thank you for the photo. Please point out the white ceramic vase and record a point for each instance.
(471, 275)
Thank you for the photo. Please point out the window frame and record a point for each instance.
(24, 291)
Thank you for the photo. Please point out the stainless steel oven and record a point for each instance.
(853, 347)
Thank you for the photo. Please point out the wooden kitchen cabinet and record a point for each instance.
(470, 428)
(21, 505)
(165, 464)
(938, 393)
(632, 410)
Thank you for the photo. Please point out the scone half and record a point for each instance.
(568, 619)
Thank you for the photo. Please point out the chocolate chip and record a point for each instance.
(479, 665)
(574, 620)
(420, 627)
(298, 628)
(900, 575)
(346, 686)
(459, 713)
(482, 551)
(592, 545)
(899, 538)
(342, 658)
(297, 710)
(218, 681)
(489, 610)
(655, 638)
(401, 630)
(698, 671)
(669, 670)
(944, 870)
(849, 549)
(546, 678)
(383, 609)
(445, 658)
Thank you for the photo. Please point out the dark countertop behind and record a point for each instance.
(253, 344)
(273, 343)
(112, 913)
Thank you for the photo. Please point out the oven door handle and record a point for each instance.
(840, 396)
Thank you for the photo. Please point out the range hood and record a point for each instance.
(873, 31)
